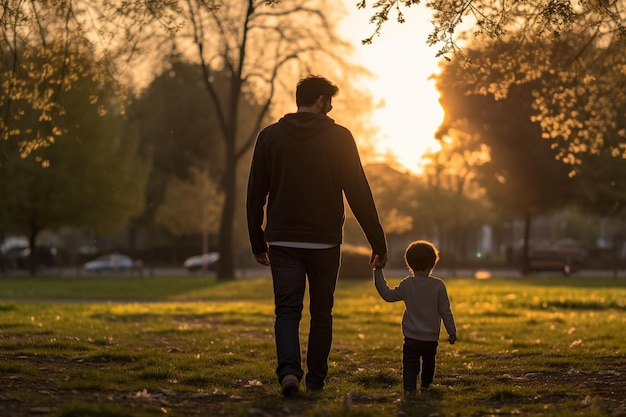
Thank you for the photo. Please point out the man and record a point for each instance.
(302, 166)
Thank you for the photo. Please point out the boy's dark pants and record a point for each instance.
(290, 269)
(414, 352)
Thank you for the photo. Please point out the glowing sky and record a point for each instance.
(402, 64)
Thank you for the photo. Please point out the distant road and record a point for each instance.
(265, 272)
(447, 273)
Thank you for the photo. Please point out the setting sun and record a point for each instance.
(402, 63)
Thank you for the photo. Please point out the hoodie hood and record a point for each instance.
(305, 125)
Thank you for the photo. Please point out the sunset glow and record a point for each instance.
(402, 64)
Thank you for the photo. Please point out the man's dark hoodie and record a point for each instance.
(302, 165)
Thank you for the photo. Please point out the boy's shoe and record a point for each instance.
(290, 384)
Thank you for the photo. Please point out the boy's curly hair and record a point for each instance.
(421, 255)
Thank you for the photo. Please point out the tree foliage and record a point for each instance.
(178, 133)
(578, 97)
(89, 177)
(38, 43)
(441, 204)
(602, 192)
(190, 207)
(395, 196)
(582, 123)
(571, 54)
(519, 171)
(455, 20)
(453, 202)
(261, 51)
(249, 51)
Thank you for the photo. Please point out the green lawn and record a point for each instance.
(186, 346)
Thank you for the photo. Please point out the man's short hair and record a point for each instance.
(310, 88)
(421, 255)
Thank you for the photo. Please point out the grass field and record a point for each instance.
(193, 346)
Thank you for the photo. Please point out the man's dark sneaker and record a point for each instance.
(290, 385)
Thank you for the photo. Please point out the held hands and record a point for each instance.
(378, 261)
(452, 338)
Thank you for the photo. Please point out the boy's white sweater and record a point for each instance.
(426, 301)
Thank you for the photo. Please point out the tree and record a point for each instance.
(577, 94)
(602, 192)
(492, 20)
(89, 178)
(394, 193)
(261, 51)
(177, 131)
(261, 48)
(443, 203)
(452, 194)
(397, 195)
(191, 207)
(521, 175)
(574, 52)
(38, 44)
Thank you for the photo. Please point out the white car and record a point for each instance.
(208, 261)
(109, 263)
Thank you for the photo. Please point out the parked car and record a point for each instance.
(113, 262)
(566, 260)
(207, 261)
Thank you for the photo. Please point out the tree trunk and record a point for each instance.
(33, 259)
(226, 267)
(3, 264)
(526, 248)
(616, 244)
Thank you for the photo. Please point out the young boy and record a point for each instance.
(427, 304)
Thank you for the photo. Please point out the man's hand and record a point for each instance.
(262, 258)
(378, 261)
(452, 338)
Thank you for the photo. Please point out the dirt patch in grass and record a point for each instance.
(605, 390)
(20, 395)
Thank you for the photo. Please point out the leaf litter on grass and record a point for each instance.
(523, 360)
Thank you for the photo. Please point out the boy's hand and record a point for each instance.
(378, 261)
(452, 338)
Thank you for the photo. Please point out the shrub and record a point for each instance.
(355, 262)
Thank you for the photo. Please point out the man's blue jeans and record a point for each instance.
(290, 269)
